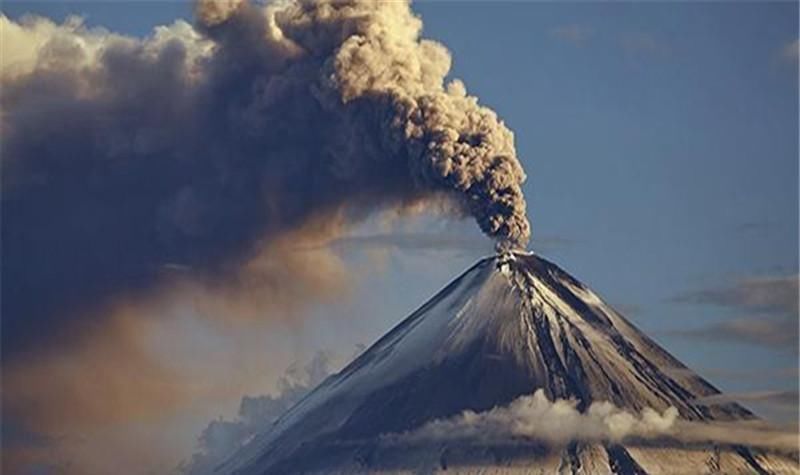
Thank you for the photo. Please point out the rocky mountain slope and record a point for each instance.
(509, 326)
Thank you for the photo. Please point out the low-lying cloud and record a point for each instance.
(559, 422)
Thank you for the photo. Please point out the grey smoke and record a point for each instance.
(199, 146)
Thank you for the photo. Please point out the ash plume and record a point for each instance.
(200, 145)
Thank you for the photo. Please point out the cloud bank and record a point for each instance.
(559, 422)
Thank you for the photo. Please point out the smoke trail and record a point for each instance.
(196, 147)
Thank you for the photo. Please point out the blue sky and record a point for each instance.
(661, 146)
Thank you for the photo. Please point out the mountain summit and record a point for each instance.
(510, 326)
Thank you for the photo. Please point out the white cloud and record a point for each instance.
(559, 422)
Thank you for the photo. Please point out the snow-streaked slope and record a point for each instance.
(509, 325)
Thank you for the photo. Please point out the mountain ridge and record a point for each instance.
(509, 325)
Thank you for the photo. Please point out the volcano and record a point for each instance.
(510, 325)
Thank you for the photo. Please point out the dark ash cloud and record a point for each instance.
(200, 146)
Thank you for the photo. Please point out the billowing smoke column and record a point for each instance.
(199, 145)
